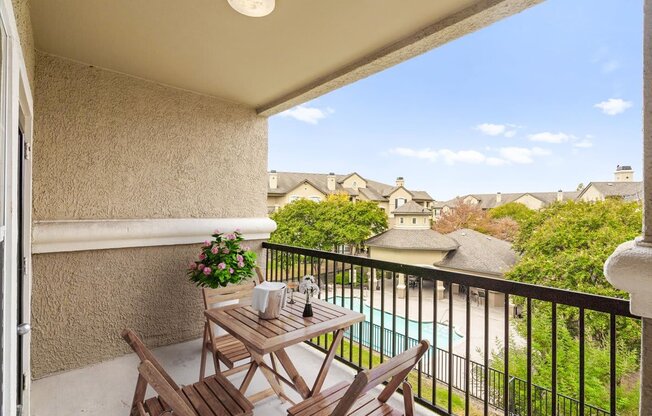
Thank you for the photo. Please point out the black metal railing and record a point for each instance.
(405, 303)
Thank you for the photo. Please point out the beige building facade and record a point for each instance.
(286, 187)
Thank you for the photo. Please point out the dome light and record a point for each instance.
(253, 8)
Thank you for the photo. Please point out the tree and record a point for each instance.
(514, 210)
(328, 224)
(473, 217)
(580, 186)
(566, 246)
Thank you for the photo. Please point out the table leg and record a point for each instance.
(269, 375)
(248, 377)
(321, 376)
(298, 381)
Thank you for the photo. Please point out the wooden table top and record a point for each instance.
(268, 335)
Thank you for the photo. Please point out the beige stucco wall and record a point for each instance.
(82, 300)
(530, 202)
(399, 193)
(24, 26)
(592, 194)
(304, 190)
(416, 257)
(359, 182)
(112, 146)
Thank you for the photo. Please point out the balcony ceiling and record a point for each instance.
(303, 49)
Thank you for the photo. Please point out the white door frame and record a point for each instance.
(15, 108)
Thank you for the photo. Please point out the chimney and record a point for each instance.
(400, 181)
(560, 195)
(624, 174)
(499, 198)
(273, 179)
(330, 181)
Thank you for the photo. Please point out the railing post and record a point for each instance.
(630, 267)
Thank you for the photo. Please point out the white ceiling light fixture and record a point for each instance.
(253, 8)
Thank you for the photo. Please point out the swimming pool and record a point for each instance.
(389, 336)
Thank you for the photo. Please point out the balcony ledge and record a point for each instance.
(629, 268)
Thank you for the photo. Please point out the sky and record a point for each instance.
(543, 100)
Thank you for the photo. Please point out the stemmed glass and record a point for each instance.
(292, 287)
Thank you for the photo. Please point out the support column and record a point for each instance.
(630, 267)
(400, 287)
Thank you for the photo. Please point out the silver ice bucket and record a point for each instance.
(269, 299)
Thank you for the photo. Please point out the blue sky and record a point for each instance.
(543, 100)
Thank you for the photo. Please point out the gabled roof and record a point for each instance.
(375, 191)
(488, 201)
(630, 191)
(479, 253)
(390, 191)
(412, 208)
(404, 239)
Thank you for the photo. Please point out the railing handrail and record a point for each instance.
(588, 301)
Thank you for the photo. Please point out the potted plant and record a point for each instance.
(222, 261)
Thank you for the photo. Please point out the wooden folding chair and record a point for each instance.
(226, 348)
(213, 395)
(352, 398)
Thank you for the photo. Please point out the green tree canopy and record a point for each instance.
(328, 224)
(514, 210)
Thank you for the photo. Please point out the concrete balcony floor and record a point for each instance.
(107, 388)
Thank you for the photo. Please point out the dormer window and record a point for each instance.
(398, 202)
(414, 220)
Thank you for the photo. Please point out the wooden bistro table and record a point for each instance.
(262, 337)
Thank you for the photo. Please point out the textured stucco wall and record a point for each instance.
(112, 146)
(109, 146)
(647, 122)
(24, 26)
(82, 300)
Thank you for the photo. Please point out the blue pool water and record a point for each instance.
(389, 335)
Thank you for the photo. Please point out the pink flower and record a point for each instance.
(202, 256)
(240, 258)
(216, 231)
(230, 270)
(200, 267)
(207, 243)
(192, 265)
(221, 266)
(246, 248)
(237, 230)
(215, 249)
(207, 271)
(226, 250)
(230, 237)
(241, 264)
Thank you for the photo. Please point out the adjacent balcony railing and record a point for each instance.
(477, 326)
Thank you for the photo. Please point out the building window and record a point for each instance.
(294, 198)
(425, 220)
(398, 202)
(400, 220)
(315, 198)
(414, 220)
(355, 184)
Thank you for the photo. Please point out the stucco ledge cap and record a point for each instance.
(629, 268)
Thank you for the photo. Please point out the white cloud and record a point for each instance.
(613, 106)
(491, 129)
(584, 144)
(522, 155)
(496, 161)
(307, 114)
(549, 137)
(450, 157)
(610, 66)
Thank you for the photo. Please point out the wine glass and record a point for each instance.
(292, 287)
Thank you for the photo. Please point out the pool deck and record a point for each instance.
(477, 332)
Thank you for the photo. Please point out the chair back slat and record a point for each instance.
(156, 379)
(395, 370)
(145, 354)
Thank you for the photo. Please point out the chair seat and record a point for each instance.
(325, 402)
(212, 396)
(230, 350)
